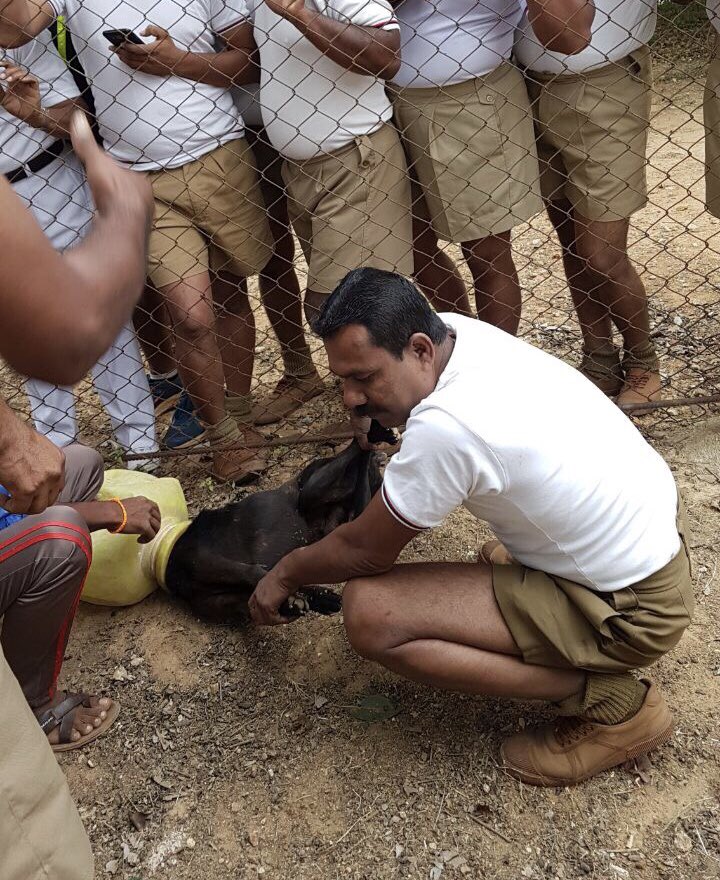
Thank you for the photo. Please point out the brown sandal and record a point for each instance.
(63, 716)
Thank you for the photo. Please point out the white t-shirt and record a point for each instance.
(57, 195)
(310, 104)
(529, 445)
(154, 122)
(619, 27)
(453, 41)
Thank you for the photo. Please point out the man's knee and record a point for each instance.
(85, 467)
(489, 254)
(365, 618)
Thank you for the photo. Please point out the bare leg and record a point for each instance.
(435, 273)
(497, 289)
(235, 329)
(439, 624)
(152, 326)
(593, 314)
(190, 306)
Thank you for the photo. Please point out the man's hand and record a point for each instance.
(32, 469)
(294, 11)
(19, 92)
(111, 186)
(269, 595)
(159, 58)
(143, 518)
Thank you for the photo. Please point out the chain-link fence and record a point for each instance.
(556, 192)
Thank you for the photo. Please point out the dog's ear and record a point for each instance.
(331, 481)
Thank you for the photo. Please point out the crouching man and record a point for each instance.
(597, 581)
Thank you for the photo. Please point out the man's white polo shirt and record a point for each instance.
(310, 104)
(449, 42)
(619, 27)
(534, 449)
(154, 122)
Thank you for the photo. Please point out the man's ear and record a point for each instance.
(332, 482)
(422, 347)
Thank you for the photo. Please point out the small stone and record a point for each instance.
(112, 866)
(236, 806)
(253, 838)
(682, 841)
(121, 674)
(136, 661)
(190, 843)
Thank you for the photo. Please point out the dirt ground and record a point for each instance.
(237, 753)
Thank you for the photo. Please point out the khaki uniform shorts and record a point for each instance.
(471, 147)
(41, 835)
(351, 208)
(559, 623)
(592, 136)
(209, 214)
(711, 114)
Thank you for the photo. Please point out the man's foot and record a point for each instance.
(73, 720)
(185, 429)
(603, 368)
(240, 466)
(165, 393)
(574, 749)
(290, 393)
(641, 386)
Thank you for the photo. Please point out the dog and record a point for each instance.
(217, 563)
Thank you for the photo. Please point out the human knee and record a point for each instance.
(193, 321)
(364, 617)
(489, 254)
(606, 261)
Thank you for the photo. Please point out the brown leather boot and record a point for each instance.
(603, 368)
(574, 749)
(642, 376)
(231, 462)
(290, 393)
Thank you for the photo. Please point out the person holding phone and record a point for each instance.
(210, 229)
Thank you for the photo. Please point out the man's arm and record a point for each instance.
(61, 312)
(20, 96)
(371, 51)
(142, 516)
(364, 547)
(21, 20)
(232, 66)
(562, 25)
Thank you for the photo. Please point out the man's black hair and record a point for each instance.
(389, 306)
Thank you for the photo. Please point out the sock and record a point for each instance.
(601, 362)
(239, 406)
(298, 361)
(611, 699)
(155, 376)
(225, 433)
(642, 357)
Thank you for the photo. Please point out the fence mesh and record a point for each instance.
(429, 168)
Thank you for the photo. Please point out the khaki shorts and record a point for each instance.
(592, 136)
(471, 147)
(711, 115)
(559, 623)
(351, 208)
(41, 835)
(209, 214)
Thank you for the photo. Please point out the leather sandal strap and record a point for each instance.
(50, 719)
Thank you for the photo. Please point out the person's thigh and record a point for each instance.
(552, 171)
(83, 474)
(177, 249)
(606, 150)
(41, 835)
(233, 216)
(453, 602)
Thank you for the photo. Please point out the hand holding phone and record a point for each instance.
(120, 36)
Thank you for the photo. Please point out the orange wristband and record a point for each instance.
(122, 525)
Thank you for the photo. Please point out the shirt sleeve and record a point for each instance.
(374, 13)
(224, 15)
(440, 464)
(57, 6)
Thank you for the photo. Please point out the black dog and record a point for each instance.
(217, 563)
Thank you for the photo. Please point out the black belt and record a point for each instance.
(37, 163)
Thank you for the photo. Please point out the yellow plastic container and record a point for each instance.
(123, 571)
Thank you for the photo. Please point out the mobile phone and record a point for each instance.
(122, 35)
